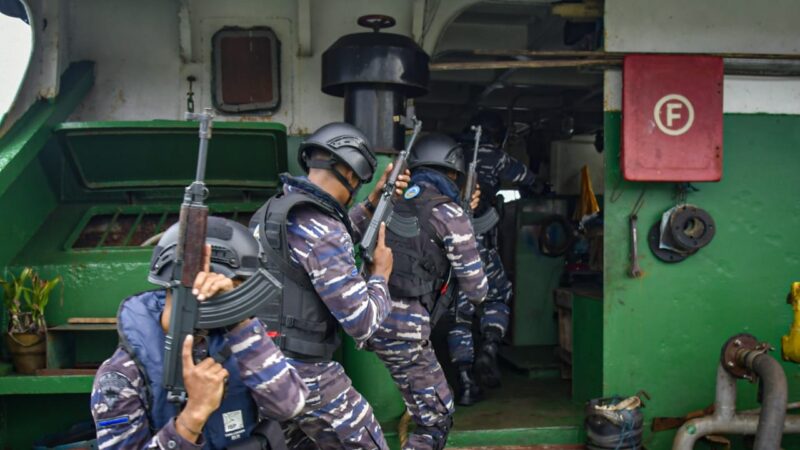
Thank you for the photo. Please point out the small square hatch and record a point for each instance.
(136, 155)
(246, 70)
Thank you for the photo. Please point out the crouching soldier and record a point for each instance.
(307, 236)
(445, 245)
(225, 400)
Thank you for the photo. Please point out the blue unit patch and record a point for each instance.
(412, 192)
(122, 420)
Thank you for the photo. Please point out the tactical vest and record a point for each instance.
(305, 328)
(420, 264)
(141, 335)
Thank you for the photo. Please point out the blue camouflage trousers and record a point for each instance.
(494, 311)
(335, 416)
(403, 345)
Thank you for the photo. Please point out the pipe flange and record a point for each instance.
(691, 228)
(738, 352)
(654, 242)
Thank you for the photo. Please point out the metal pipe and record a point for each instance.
(726, 421)
(773, 404)
(725, 401)
(371, 108)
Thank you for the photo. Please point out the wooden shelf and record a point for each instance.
(30, 384)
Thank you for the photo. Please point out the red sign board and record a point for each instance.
(672, 118)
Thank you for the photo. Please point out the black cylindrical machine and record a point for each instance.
(375, 73)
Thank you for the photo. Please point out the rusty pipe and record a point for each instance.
(726, 421)
(773, 405)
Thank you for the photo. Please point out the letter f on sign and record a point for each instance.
(671, 114)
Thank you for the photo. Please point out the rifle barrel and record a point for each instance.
(201, 161)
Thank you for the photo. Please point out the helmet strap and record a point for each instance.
(330, 165)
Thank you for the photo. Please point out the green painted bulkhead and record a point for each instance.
(663, 333)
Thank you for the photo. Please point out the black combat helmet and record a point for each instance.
(234, 251)
(438, 151)
(346, 144)
(491, 123)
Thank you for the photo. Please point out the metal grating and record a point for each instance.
(125, 229)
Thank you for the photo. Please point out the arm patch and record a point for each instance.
(111, 385)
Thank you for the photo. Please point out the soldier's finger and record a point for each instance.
(381, 236)
(402, 183)
(186, 353)
(207, 258)
(199, 280)
(207, 289)
(216, 369)
(206, 364)
(223, 374)
(220, 284)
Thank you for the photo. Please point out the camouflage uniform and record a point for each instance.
(120, 394)
(402, 342)
(494, 167)
(336, 416)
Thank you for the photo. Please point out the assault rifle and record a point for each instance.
(490, 218)
(407, 227)
(187, 313)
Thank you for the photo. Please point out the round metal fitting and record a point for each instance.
(654, 242)
(691, 228)
(376, 22)
(738, 352)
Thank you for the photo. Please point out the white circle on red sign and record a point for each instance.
(678, 114)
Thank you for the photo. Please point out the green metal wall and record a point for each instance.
(663, 332)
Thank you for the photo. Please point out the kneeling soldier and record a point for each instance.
(225, 400)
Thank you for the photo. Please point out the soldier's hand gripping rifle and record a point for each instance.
(187, 313)
(490, 218)
(403, 226)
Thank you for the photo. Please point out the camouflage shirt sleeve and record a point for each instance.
(513, 171)
(359, 218)
(455, 230)
(321, 245)
(118, 409)
(276, 387)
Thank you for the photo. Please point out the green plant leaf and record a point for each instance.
(35, 297)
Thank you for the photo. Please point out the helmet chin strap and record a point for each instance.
(330, 164)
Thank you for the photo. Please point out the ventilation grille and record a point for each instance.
(125, 229)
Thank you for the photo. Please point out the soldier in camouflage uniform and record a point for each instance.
(445, 245)
(307, 237)
(494, 167)
(128, 401)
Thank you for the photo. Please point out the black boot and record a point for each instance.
(486, 368)
(470, 391)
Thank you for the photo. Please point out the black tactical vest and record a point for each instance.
(306, 329)
(420, 264)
